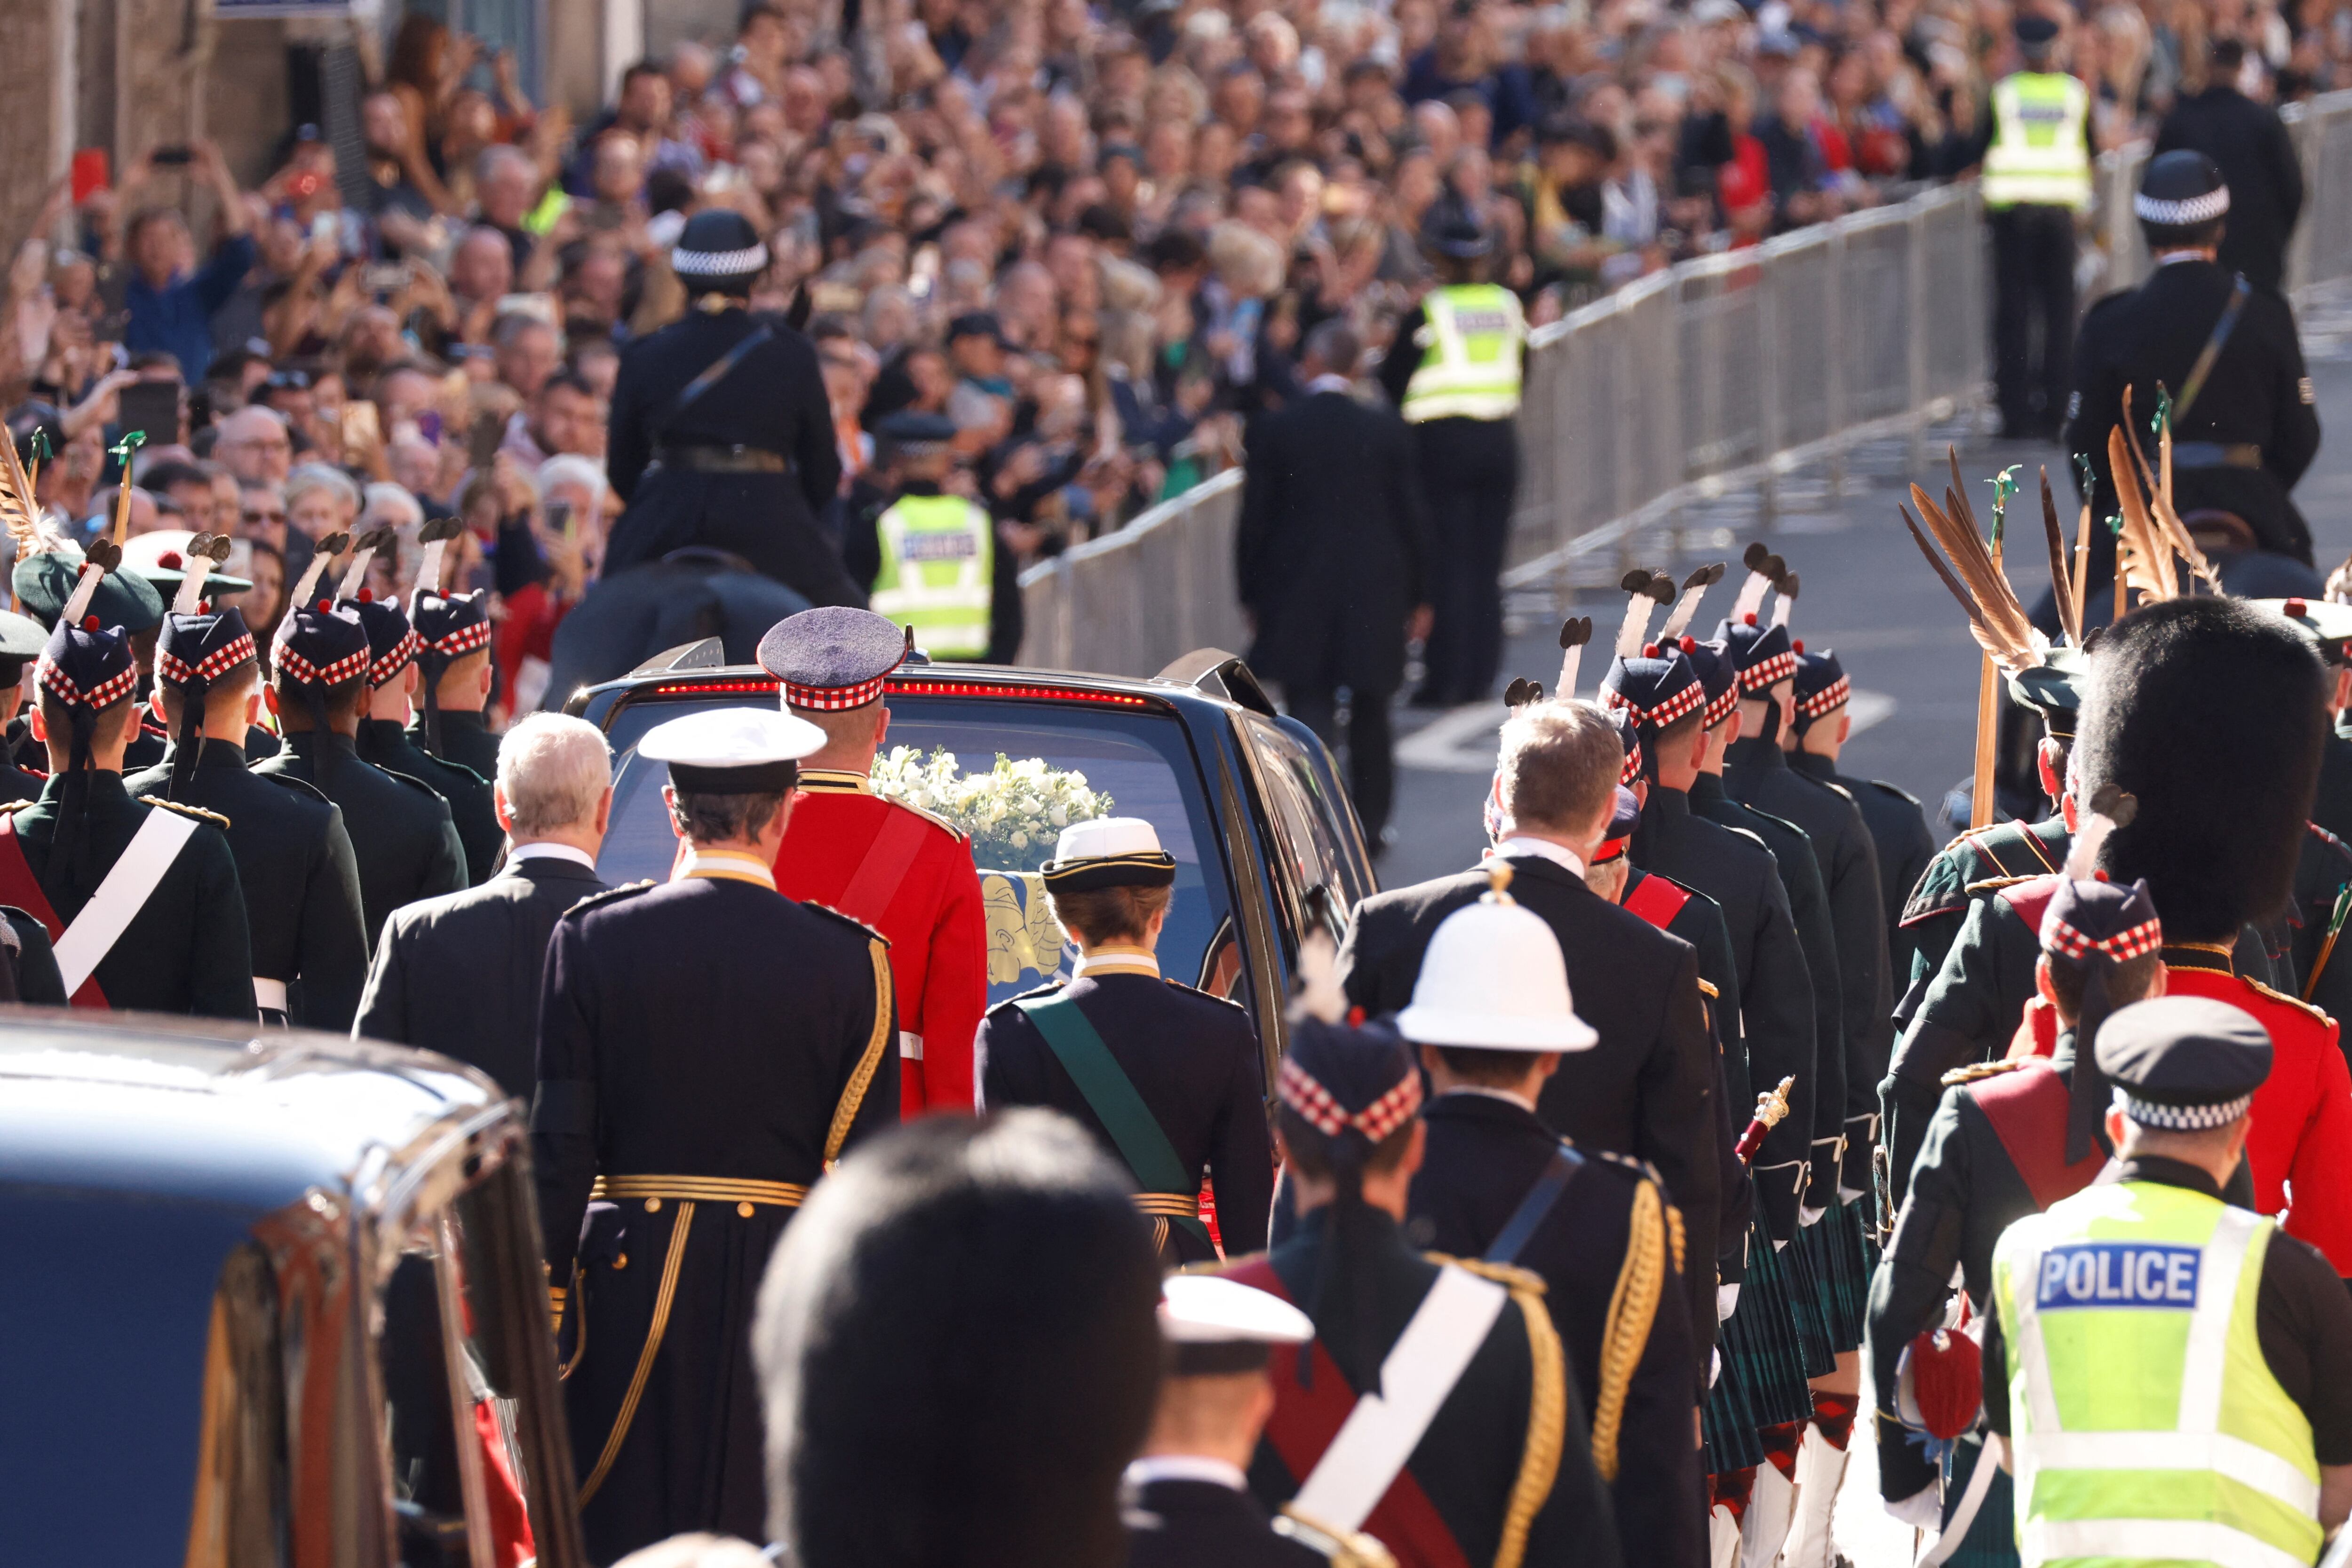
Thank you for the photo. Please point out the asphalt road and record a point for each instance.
(1866, 594)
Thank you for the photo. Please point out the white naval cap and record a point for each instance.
(732, 750)
(1109, 851)
(1493, 979)
(1219, 1325)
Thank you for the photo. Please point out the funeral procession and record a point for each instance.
(1176, 784)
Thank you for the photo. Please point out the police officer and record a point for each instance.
(694, 1104)
(2111, 1428)
(721, 434)
(403, 841)
(1452, 371)
(139, 896)
(453, 657)
(2036, 181)
(21, 640)
(1186, 1498)
(2223, 348)
(294, 859)
(930, 557)
(2009, 1139)
(1167, 1077)
(1898, 828)
(384, 739)
(1494, 1465)
(1492, 1019)
(906, 873)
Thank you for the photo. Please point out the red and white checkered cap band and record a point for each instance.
(1827, 699)
(463, 640)
(1722, 706)
(213, 665)
(1632, 769)
(349, 667)
(396, 659)
(2125, 946)
(1302, 1093)
(1780, 666)
(831, 699)
(1666, 713)
(105, 695)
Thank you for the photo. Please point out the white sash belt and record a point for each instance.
(122, 895)
(269, 996)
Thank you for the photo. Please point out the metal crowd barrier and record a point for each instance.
(1725, 371)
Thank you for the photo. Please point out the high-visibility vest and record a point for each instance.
(938, 572)
(2146, 1425)
(2039, 155)
(1470, 355)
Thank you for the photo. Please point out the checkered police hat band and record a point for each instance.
(2182, 214)
(2180, 1118)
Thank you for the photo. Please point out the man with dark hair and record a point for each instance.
(1492, 1464)
(1646, 1089)
(694, 1105)
(401, 838)
(139, 896)
(2223, 348)
(384, 739)
(295, 865)
(1170, 1079)
(2250, 144)
(1332, 562)
(1816, 736)
(956, 1354)
(1492, 1020)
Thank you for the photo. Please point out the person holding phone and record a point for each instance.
(168, 302)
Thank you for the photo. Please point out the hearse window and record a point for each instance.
(1079, 759)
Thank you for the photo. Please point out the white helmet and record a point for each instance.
(1493, 979)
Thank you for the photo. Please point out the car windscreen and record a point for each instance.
(1004, 770)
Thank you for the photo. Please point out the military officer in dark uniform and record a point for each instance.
(1898, 828)
(721, 431)
(1168, 1078)
(1668, 702)
(2243, 424)
(2009, 1139)
(693, 1105)
(401, 838)
(170, 934)
(1500, 1467)
(160, 558)
(1186, 1498)
(2329, 626)
(453, 654)
(384, 740)
(1492, 1019)
(294, 860)
(1647, 1089)
(43, 581)
(21, 640)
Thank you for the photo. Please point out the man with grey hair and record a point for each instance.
(254, 444)
(1645, 1088)
(461, 973)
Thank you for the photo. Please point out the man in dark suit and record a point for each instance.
(1332, 559)
(1645, 1089)
(461, 974)
(1186, 1498)
(2258, 161)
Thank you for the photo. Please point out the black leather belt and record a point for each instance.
(723, 459)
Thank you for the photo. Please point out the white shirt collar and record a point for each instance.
(1184, 1467)
(1521, 1101)
(1327, 383)
(1116, 960)
(1542, 849)
(551, 851)
(2169, 257)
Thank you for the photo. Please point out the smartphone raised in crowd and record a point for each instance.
(482, 441)
(152, 407)
(169, 157)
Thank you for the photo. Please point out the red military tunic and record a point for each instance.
(908, 875)
(2303, 1111)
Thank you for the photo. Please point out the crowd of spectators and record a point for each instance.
(1095, 239)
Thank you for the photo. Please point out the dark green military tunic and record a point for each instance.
(1898, 830)
(390, 748)
(1931, 915)
(186, 950)
(465, 740)
(301, 880)
(401, 838)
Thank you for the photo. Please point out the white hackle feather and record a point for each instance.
(1695, 589)
(1759, 579)
(85, 590)
(1788, 600)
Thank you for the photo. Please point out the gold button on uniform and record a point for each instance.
(744, 1209)
(653, 1206)
(621, 1261)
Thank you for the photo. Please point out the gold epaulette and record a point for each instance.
(1709, 992)
(1976, 1070)
(198, 812)
(8, 806)
(1509, 1275)
(1995, 883)
(934, 819)
(2319, 1013)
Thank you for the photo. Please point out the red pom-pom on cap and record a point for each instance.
(326, 606)
(1649, 649)
(1798, 646)
(366, 596)
(90, 622)
(1749, 618)
(169, 560)
(1690, 643)
(2294, 607)
(2098, 876)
